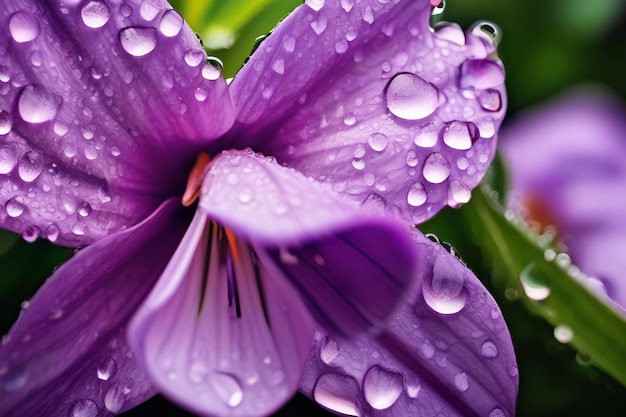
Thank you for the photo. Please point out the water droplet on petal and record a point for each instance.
(84, 408)
(329, 350)
(490, 100)
(23, 27)
(410, 97)
(95, 14)
(563, 333)
(450, 32)
(489, 350)
(439, 6)
(445, 291)
(6, 122)
(52, 232)
(31, 234)
(15, 379)
(368, 15)
(171, 23)
(427, 137)
(319, 25)
(106, 369)
(138, 41)
(436, 168)
(533, 285)
(460, 135)
(481, 74)
(487, 30)
(416, 195)
(227, 388)
(30, 166)
(337, 392)
(37, 105)
(315, 4)
(497, 412)
(347, 5)
(212, 69)
(377, 141)
(14, 208)
(382, 387)
(114, 398)
(194, 57)
(279, 66)
(149, 10)
(460, 193)
(461, 381)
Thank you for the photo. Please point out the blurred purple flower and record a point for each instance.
(288, 266)
(566, 161)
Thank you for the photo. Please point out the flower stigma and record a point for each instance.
(199, 170)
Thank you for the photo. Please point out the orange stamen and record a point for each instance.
(194, 182)
(232, 242)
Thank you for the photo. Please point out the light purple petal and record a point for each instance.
(103, 104)
(447, 353)
(67, 352)
(367, 97)
(351, 268)
(566, 162)
(221, 334)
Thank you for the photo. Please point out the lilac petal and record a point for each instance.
(367, 97)
(67, 352)
(102, 105)
(317, 239)
(566, 158)
(221, 334)
(448, 352)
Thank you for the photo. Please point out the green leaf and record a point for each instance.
(548, 285)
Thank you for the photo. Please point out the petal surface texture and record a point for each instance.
(368, 97)
(103, 107)
(67, 354)
(446, 353)
(566, 161)
(350, 267)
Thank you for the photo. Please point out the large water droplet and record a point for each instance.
(6, 122)
(15, 379)
(106, 369)
(84, 408)
(416, 195)
(114, 398)
(450, 32)
(382, 387)
(461, 381)
(37, 105)
(410, 97)
(194, 57)
(532, 283)
(488, 31)
(14, 208)
(337, 392)
(377, 141)
(481, 74)
(23, 27)
(30, 166)
(490, 100)
(563, 333)
(497, 412)
(460, 135)
(445, 291)
(427, 136)
(138, 41)
(315, 4)
(329, 350)
(171, 23)
(95, 14)
(460, 193)
(436, 168)
(227, 388)
(489, 350)
(8, 159)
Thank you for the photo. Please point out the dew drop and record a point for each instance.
(487, 30)
(337, 392)
(533, 285)
(416, 195)
(6, 122)
(445, 291)
(138, 41)
(461, 381)
(481, 74)
(171, 23)
(319, 25)
(279, 66)
(114, 398)
(497, 412)
(460, 193)
(489, 350)
(438, 7)
(329, 350)
(347, 5)
(490, 100)
(84, 408)
(37, 105)
(30, 166)
(341, 46)
(563, 333)
(410, 97)
(15, 379)
(349, 120)
(460, 135)
(23, 27)
(382, 387)
(95, 14)
(436, 168)
(315, 4)
(227, 388)
(31, 234)
(377, 141)
(149, 10)
(106, 369)
(212, 69)
(411, 159)
(450, 32)
(427, 137)
(194, 57)
(52, 232)
(14, 208)
(368, 15)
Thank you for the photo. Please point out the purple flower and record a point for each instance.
(567, 170)
(294, 271)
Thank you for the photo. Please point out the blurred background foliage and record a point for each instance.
(546, 47)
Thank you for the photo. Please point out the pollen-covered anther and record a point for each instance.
(199, 170)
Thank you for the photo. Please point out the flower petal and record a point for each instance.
(317, 239)
(221, 334)
(367, 97)
(67, 351)
(448, 352)
(102, 105)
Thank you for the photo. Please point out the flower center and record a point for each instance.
(194, 182)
